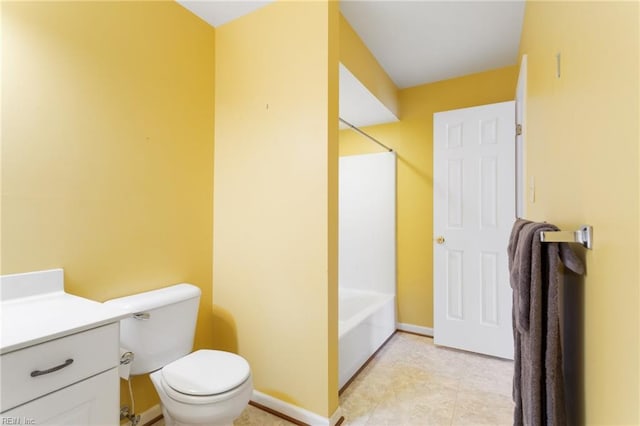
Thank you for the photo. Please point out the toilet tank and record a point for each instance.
(161, 326)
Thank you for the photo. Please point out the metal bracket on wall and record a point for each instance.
(584, 236)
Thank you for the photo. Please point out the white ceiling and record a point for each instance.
(415, 41)
(419, 42)
(218, 12)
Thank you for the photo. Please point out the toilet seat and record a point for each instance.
(205, 376)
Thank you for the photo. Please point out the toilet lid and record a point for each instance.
(206, 372)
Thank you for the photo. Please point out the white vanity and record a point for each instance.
(59, 354)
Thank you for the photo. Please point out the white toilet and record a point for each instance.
(205, 387)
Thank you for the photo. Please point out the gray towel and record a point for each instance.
(535, 271)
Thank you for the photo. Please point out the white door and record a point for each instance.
(473, 212)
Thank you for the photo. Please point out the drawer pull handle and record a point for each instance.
(37, 373)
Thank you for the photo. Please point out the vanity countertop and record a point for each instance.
(34, 308)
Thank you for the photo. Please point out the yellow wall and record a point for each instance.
(275, 185)
(358, 59)
(412, 139)
(582, 149)
(107, 149)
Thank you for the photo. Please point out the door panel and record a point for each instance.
(474, 209)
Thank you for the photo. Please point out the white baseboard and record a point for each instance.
(298, 413)
(335, 417)
(150, 414)
(418, 329)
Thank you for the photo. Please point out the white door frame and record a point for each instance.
(521, 115)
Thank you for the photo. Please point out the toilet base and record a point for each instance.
(219, 413)
(170, 421)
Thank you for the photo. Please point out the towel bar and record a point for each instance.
(584, 236)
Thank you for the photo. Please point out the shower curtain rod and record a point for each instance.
(365, 135)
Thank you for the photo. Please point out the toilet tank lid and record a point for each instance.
(156, 298)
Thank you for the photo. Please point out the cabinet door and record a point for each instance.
(93, 401)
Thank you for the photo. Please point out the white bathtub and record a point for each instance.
(366, 320)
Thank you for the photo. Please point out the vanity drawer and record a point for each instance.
(28, 373)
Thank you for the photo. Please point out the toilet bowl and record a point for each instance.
(205, 387)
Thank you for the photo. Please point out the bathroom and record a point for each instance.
(109, 170)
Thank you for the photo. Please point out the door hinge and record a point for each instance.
(518, 129)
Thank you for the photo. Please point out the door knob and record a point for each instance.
(440, 240)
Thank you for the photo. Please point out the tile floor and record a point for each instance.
(411, 382)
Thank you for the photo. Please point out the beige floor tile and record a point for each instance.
(426, 405)
(412, 382)
(482, 408)
(253, 416)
